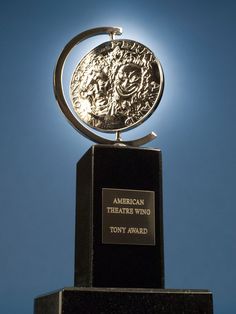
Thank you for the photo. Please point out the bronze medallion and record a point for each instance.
(116, 86)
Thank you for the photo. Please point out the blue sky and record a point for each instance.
(195, 122)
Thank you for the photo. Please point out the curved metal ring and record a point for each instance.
(59, 94)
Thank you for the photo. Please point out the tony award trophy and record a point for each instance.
(119, 260)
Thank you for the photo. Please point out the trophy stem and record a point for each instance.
(111, 34)
(118, 136)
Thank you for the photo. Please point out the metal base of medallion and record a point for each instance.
(124, 301)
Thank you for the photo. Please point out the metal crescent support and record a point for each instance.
(59, 94)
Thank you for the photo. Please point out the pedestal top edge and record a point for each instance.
(129, 290)
(115, 146)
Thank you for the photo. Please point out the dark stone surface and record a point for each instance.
(124, 301)
(114, 265)
(125, 267)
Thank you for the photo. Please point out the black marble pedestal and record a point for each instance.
(124, 301)
(119, 227)
(119, 240)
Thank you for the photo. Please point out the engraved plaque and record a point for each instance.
(128, 217)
